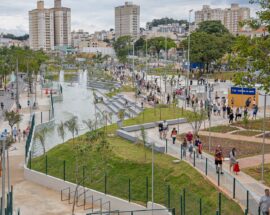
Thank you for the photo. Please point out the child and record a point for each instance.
(190, 149)
(236, 168)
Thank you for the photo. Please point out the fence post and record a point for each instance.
(169, 196)
(105, 184)
(259, 210)
(219, 203)
(194, 164)
(64, 171)
(181, 152)
(41, 117)
(30, 160)
(166, 146)
(217, 212)
(146, 190)
(247, 209)
(218, 178)
(173, 211)
(206, 166)
(234, 183)
(184, 201)
(181, 204)
(83, 176)
(200, 206)
(246, 212)
(129, 190)
(46, 164)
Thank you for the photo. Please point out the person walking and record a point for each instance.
(2, 106)
(232, 157)
(218, 159)
(174, 135)
(264, 203)
(197, 143)
(160, 130)
(184, 147)
(200, 146)
(190, 149)
(231, 116)
(255, 111)
(14, 133)
(189, 137)
(19, 135)
(224, 111)
(165, 129)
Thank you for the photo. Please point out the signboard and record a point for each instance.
(243, 91)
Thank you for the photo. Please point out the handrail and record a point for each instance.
(68, 188)
(134, 211)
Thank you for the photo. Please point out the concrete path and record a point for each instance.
(32, 199)
(236, 137)
(253, 161)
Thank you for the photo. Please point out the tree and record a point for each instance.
(41, 137)
(213, 27)
(61, 131)
(122, 46)
(195, 118)
(159, 43)
(13, 118)
(264, 13)
(90, 124)
(72, 126)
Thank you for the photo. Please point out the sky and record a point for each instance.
(95, 15)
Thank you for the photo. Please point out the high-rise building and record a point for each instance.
(127, 20)
(62, 24)
(229, 17)
(49, 27)
(41, 28)
(233, 16)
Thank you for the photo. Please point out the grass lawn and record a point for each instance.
(126, 161)
(124, 88)
(220, 75)
(256, 173)
(244, 149)
(222, 129)
(67, 77)
(249, 133)
(254, 124)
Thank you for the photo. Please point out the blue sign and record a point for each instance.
(243, 91)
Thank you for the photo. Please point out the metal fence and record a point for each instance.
(137, 189)
(226, 181)
(9, 203)
(137, 212)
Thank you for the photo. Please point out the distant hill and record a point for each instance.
(164, 21)
(13, 37)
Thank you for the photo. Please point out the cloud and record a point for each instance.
(93, 15)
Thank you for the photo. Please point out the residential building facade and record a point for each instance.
(49, 28)
(229, 17)
(127, 20)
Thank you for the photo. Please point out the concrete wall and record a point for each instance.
(58, 185)
(153, 125)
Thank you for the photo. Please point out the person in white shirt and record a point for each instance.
(265, 203)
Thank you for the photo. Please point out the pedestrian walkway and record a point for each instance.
(31, 198)
(244, 188)
(235, 137)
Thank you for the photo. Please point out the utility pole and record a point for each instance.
(3, 175)
(17, 85)
(263, 144)
(188, 53)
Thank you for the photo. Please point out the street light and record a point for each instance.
(190, 11)
(3, 140)
(263, 144)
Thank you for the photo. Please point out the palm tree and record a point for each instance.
(41, 137)
(61, 130)
(90, 124)
(72, 126)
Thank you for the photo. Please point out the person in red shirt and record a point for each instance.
(174, 135)
(189, 137)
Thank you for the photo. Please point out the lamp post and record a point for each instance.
(153, 160)
(263, 143)
(190, 11)
(3, 140)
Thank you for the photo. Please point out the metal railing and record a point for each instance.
(136, 212)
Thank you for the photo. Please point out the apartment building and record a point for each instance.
(229, 17)
(127, 20)
(49, 28)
